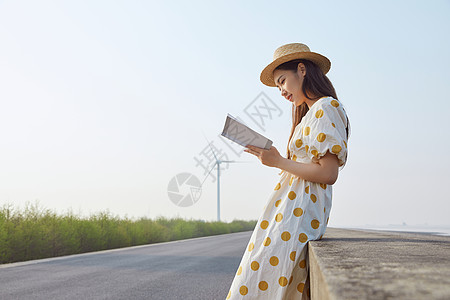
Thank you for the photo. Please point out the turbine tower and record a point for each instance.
(218, 162)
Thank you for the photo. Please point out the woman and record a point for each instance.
(275, 263)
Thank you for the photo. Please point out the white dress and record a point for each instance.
(274, 264)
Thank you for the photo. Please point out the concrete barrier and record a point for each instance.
(371, 264)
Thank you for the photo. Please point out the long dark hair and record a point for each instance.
(316, 83)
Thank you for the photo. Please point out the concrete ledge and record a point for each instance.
(371, 264)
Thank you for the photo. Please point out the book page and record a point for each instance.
(244, 135)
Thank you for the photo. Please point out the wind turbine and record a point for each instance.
(218, 162)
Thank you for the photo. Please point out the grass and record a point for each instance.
(36, 232)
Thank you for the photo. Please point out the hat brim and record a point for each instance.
(266, 76)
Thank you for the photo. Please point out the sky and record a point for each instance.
(104, 103)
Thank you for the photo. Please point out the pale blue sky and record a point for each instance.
(103, 102)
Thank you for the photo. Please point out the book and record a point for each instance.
(244, 135)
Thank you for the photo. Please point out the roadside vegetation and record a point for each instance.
(36, 232)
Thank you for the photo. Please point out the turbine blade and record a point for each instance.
(209, 144)
(208, 174)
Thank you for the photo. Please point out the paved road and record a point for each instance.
(200, 268)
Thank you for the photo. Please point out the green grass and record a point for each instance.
(35, 232)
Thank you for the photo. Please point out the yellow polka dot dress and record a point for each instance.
(275, 262)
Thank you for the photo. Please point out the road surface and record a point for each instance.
(199, 268)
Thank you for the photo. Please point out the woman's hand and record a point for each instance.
(270, 158)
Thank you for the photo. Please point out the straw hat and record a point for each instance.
(290, 52)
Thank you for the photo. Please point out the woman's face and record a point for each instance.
(290, 84)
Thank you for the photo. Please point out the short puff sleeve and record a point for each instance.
(326, 127)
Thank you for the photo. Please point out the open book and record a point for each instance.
(243, 135)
